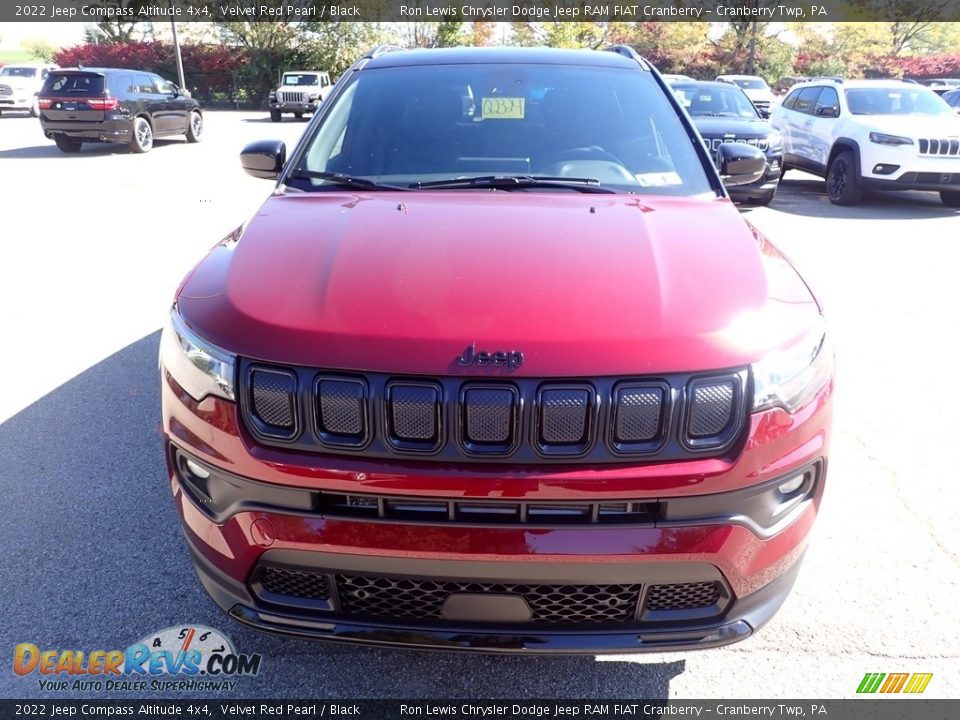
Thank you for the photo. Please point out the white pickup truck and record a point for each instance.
(20, 84)
(300, 92)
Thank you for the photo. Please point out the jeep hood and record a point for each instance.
(581, 284)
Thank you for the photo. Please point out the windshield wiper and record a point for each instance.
(517, 182)
(336, 178)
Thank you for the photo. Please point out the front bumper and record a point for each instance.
(301, 107)
(271, 517)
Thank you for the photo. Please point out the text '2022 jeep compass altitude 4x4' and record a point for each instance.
(498, 366)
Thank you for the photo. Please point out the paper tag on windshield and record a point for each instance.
(658, 179)
(502, 108)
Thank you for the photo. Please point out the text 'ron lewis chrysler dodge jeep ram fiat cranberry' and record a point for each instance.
(498, 366)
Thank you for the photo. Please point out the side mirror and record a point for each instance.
(741, 164)
(264, 159)
(828, 111)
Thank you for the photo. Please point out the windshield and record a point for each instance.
(715, 100)
(407, 125)
(895, 101)
(301, 80)
(750, 83)
(18, 72)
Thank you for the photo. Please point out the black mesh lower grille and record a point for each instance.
(411, 598)
(376, 596)
(295, 583)
(682, 596)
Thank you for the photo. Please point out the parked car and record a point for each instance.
(724, 114)
(672, 77)
(942, 85)
(521, 380)
(952, 99)
(300, 92)
(19, 85)
(115, 105)
(756, 89)
(871, 135)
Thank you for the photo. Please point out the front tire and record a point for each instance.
(142, 141)
(843, 185)
(195, 127)
(66, 144)
(950, 198)
(275, 116)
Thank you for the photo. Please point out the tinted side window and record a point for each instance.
(790, 100)
(122, 84)
(806, 100)
(144, 85)
(828, 98)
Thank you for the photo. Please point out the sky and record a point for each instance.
(56, 33)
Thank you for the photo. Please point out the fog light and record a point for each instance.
(792, 485)
(196, 470)
(884, 169)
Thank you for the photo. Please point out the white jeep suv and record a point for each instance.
(20, 84)
(871, 135)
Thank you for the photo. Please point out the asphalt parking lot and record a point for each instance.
(92, 246)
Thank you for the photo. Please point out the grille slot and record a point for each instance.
(712, 417)
(273, 400)
(564, 416)
(415, 599)
(414, 411)
(295, 583)
(341, 410)
(6, 91)
(294, 97)
(682, 596)
(489, 418)
(639, 417)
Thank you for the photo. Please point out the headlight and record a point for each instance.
(884, 139)
(313, 98)
(200, 368)
(774, 140)
(789, 378)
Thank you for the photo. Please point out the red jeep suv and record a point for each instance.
(498, 366)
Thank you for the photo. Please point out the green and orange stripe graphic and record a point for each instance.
(894, 682)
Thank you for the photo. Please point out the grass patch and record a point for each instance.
(15, 56)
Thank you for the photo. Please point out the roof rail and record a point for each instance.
(628, 52)
(381, 50)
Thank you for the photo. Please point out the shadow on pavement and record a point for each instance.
(805, 195)
(286, 119)
(94, 560)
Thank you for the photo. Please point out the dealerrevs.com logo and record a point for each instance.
(192, 658)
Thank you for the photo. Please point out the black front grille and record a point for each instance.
(949, 147)
(682, 596)
(383, 597)
(398, 598)
(521, 420)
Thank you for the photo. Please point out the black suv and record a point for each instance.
(114, 105)
(724, 114)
